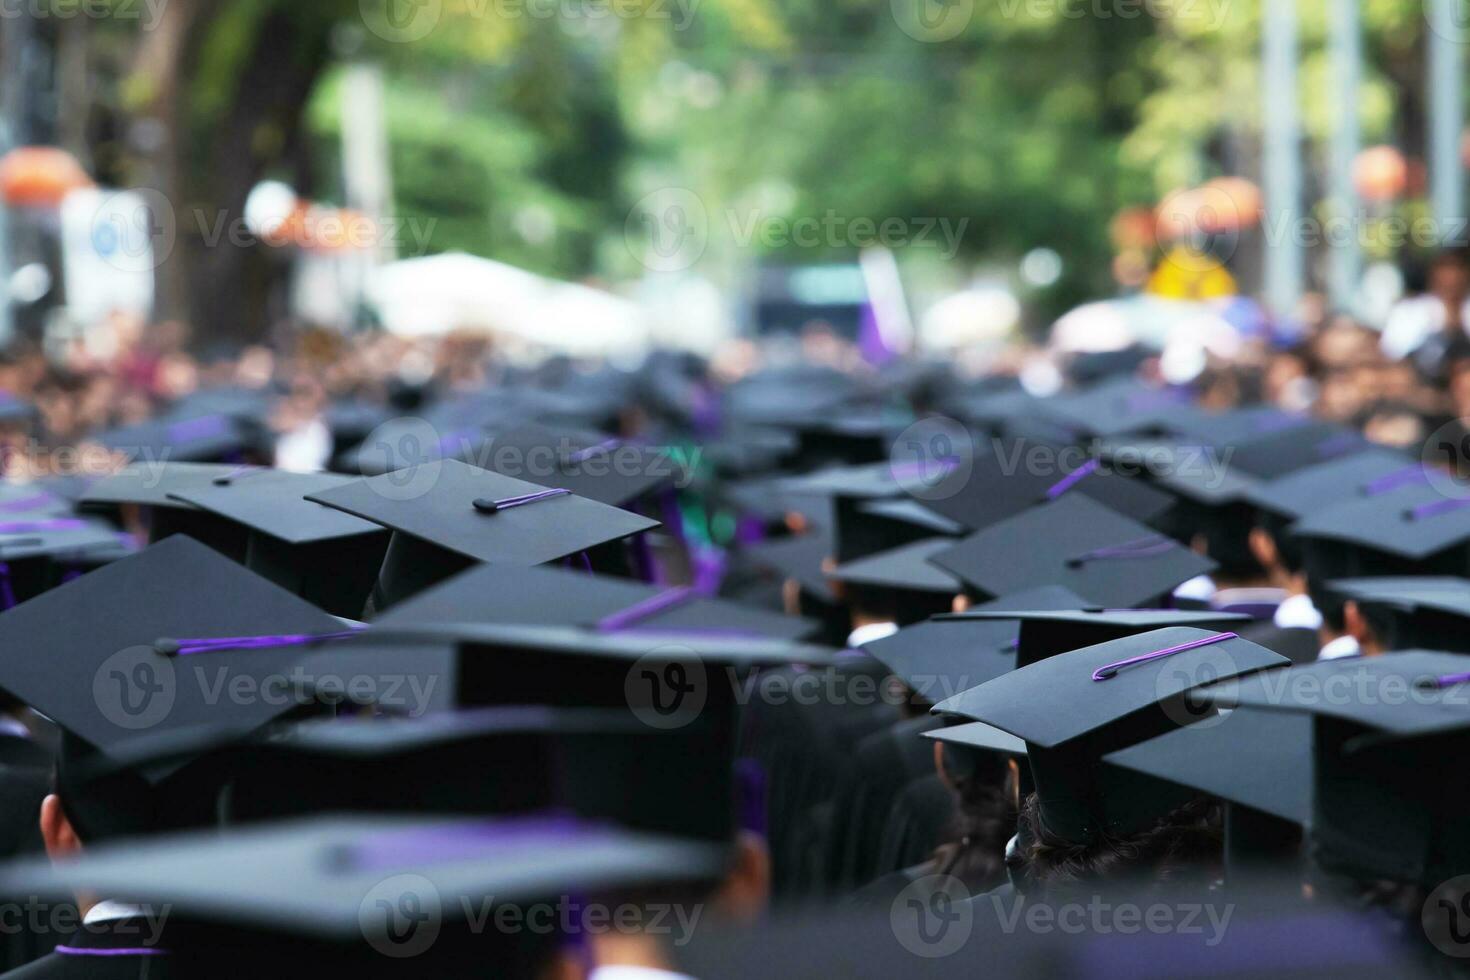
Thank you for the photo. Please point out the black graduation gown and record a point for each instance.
(921, 815)
(883, 764)
(25, 779)
(117, 950)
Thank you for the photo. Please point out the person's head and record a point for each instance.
(985, 787)
(1271, 543)
(1449, 274)
(1185, 844)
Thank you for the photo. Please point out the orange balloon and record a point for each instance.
(1380, 173)
(40, 176)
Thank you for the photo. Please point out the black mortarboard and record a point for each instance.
(903, 579)
(1045, 632)
(324, 555)
(37, 551)
(1389, 737)
(1296, 447)
(1076, 707)
(1258, 759)
(686, 684)
(1239, 426)
(561, 597)
(1213, 503)
(943, 656)
(1414, 529)
(608, 470)
(19, 500)
(371, 896)
(978, 735)
(184, 438)
(1431, 613)
(1119, 407)
(87, 655)
(798, 557)
(153, 485)
(1310, 489)
(1079, 544)
(1019, 473)
(446, 516)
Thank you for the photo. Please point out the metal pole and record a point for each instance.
(1283, 170)
(1345, 39)
(1446, 118)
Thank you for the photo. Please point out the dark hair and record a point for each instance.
(1186, 843)
(983, 822)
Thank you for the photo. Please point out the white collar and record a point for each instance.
(109, 911)
(1343, 646)
(1201, 588)
(625, 972)
(1297, 612)
(870, 633)
(12, 726)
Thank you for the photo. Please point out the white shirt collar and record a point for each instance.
(1343, 646)
(110, 911)
(1200, 588)
(1297, 612)
(634, 973)
(870, 633)
(11, 726)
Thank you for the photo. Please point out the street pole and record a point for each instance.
(1283, 170)
(1345, 40)
(1446, 119)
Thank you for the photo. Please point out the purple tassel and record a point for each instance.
(1111, 670)
(1149, 547)
(1072, 479)
(647, 609)
(185, 648)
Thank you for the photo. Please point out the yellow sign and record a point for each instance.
(1190, 274)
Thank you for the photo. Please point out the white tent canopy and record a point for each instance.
(455, 291)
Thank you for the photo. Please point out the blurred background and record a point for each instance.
(595, 176)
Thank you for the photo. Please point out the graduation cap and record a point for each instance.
(374, 896)
(1118, 407)
(1076, 707)
(1213, 502)
(1411, 530)
(324, 555)
(1046, 631)
(36, 552)
(1365, 474)
(185, 438)
(1240, 426)
(903, 579)
(1411, 611)
(154, 486)
(1388, 736)
(606, 469)
(1258, 762)
(446, 516)
(684, 684)
(799, 557)
(1002, 483)
(978, 736)
(96, 656)
(555, 596)
(1275, 454)
(1076, 543)
(949, 654)
(31, 500)
(574, 759)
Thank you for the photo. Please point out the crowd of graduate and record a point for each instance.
(372, 657)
